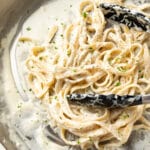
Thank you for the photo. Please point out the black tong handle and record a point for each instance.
(123, 15)
(108, 101)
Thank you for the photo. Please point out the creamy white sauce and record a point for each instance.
(2, 147)
(28, 117)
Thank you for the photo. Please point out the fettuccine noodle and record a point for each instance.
(93, 58)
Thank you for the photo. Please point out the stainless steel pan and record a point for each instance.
(12, 15)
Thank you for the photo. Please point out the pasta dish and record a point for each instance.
(93, 55)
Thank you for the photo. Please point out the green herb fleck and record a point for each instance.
(110, 61)
(78, 141)
(19, 106)
(62, 24)
(137, 61)
(84, 14)
(68, 52)
(140, 71)
(121, 69)
(40, 58)
(70, 6)
(117, 59)
(118, 84)
(46, 121)
(28, 28)
(30, 90)
(55, 97)
(91, 49)
(142, 76)
(62, 35)
(74, 70)
(90, 139)
(124, 116)
(56, 47)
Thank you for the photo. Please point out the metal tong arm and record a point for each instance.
(107, 101)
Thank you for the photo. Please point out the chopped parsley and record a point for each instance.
(117, 59)
(110, 61)
(137, 61)
(78, 141)
(70, 6)
(91, 49)
(121, 69)
(124, 116)
(56, 47)
(19, 106)
(118, 84)
(62, 24)
(68, 52)
(74, 70)
(62, 35)
(90, 139)
(84, 14)
(28, 28)
(55, 97)
(142, 76)
(140, 71)
(46, 121)
(40, 58)
(30, 90)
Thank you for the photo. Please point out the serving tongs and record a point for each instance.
(108, 101)
(131, 18)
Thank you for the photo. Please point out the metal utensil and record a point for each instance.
(131, 18)
(50, 134)
(108, 101)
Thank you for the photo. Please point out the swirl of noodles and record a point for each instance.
(93, 58)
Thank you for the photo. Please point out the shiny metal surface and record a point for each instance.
(146, 99)
(11, 12)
